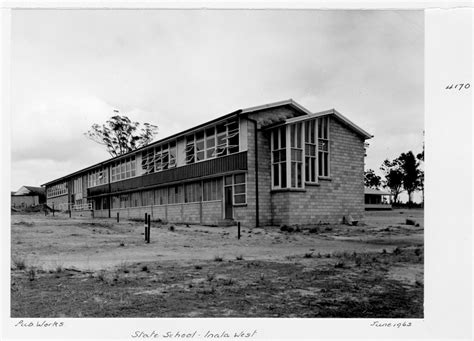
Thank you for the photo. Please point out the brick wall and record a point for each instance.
(341, 195)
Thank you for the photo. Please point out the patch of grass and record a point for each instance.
(227, 281)
(210, 277)
(308, 255)
(397, 251)
(59, 268)
(198, 267)
(314, 229)
(145, 268)
(340, 264)
(122, 244)
(25, 223)
(218, 259)
(19, 263)
(124, 267)
(239, 257)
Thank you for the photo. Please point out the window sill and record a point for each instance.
(240, 205)
(312, 184)
(277, 190)
(325, 178)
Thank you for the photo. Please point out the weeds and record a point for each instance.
(340, 264)
(210, 277)
(19, 263)
(171, 228)
(308, 255)
(145, 268)
(240, 257)
(397, 251)
(198, 267)
(218, 259)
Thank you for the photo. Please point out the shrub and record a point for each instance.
(198, 267)
(308, 255)
(145, 268)
(122, 244)
(314, 229)
(397, 251)
(240, 257)
(210, 277)
(218, 259)
(284, 228)
(340, 264)
(417, 252)
(171, 228)
(19, 263)
(290, 229)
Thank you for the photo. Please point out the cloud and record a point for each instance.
(177, 69)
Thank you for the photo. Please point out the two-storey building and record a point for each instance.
(268, 165)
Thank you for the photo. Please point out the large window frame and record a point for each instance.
(300, 153)
(213, 141)
(57, 190)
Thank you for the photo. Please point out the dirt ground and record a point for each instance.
(64, 267)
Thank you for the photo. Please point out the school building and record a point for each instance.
(273, 164)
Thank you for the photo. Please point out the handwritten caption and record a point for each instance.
(40, 324)
(404, 324)
(244, 334)
(460, 86)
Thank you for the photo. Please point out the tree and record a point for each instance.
(393, 177)
(371, 179)
(120, 135)
(409, 166)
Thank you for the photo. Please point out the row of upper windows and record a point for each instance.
(216, 141)
(56, 190)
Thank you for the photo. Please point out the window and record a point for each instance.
(192, 192)
(219, 140)
(323, 146)
(56, 190)
(158, 158)
(135, 199)
(200, 146)
(305, 144)
(77, 185)
(310, 151)
(161, 196)
(124, 200)
(175, 194)
(148, 198)
(279, 157)
(189, 150)
(123, 169)
(240, 189)
(212, 189)
(116, 201)
(296, 156)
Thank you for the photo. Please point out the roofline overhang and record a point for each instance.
(334, 112)
(289, 102)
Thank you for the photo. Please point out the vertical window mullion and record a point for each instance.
(288, 156)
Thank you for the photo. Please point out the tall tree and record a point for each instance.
(393, 177)
(410, 168)
(120, 135)
(371, 179)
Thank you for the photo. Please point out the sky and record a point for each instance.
(179, 68)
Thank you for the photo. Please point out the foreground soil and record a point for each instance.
(65, 267)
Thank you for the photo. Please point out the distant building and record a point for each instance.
(376, 199)
(272, 164)
(28, 196)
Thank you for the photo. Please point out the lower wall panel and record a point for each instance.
(207, 213)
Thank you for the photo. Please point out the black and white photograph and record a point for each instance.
(217, 163)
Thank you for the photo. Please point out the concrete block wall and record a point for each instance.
(334, 198)
(209, 214)
(63, 199)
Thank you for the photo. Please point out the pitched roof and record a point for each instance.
(30, 190)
